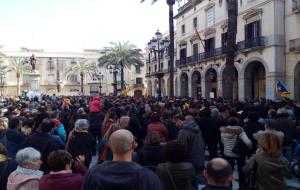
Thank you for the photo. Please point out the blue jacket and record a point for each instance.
(113, 175)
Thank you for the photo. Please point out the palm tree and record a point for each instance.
(171, 46)
(121, 55)
(80, 68)
(19, 66)
(231, 50)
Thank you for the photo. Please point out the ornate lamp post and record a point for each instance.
(99, 76)
(158, 45)
(113, 69)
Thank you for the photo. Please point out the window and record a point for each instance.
(149, 69)
(155, 68)
(51, 79)
(25, 79)
(224, 39)
(252, 30)
(139, 80)
(195, 24)
(182, 29)
(50, 64)
(209, 45)
(210, 20)
(195, 49)
(74, 79)
(183, 54)
(138, 69)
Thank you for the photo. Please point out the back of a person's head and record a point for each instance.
(175, 152)
(14, 123)
(27, 155)
(54, 115)
(272, 113)
(152, 138)
(121, 141)
(270, 143)
(270, 124)
(218, 171)
(47, 125)
(155, 117)
(57, 160)
(233, 121)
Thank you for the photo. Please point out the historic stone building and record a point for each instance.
(268, 43)
(51, 74)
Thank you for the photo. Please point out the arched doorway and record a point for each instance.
(230, 74)
(184, 80)
(150, 88)
(138, 93)
(297, 81)
(211, 83)
(255, 80)
(196, 84)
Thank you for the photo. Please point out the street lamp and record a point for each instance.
(2, 77)
(158, 45)
(113, 69)
(99, 76)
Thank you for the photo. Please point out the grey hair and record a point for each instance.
(27, 155)
(81, 124)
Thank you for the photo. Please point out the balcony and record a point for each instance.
(296, 6)
(251, 44)
(138, 86)
(201, 57)
(295, 45)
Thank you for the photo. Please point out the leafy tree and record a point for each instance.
(81, 68)
(121, 55)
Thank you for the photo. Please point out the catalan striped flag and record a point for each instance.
(281, 89)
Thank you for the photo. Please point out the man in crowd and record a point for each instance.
(121, 172)
(218, 174)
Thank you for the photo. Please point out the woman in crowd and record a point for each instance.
(175, 173)
(27, 174)
(7, 166)
(268, 165)
(110, 118)
(229, 136)
(81, 142)
(152, 153)
(61, 176)
(158, 126)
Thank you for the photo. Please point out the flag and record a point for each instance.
(281, 90)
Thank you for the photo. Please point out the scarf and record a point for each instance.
(27, 171)
(3, 157)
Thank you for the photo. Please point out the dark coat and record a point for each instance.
(250, 128)
(123, 175)
(190, 135)
(150, 155)
(63, 181)
(6, 167)
(215, 187)
(45, 144)
(95, 120)
(182, 174)
(82, 143)
(210, 130)
(12, 140)
(285, 124)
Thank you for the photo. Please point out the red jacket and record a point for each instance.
(161, 129)
(61, 181)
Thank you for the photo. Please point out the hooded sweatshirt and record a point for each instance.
(270, 171)
(190, 135)
(120, 175)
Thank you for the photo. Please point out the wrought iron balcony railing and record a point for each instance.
(251, 43)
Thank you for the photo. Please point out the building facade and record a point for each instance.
(268, 44)
(51, 70)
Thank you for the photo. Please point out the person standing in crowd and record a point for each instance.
(13, 137)
(27, 174)
(80, 142)
(190, 136)
(152, 153)
(61, 176)
(95, 118)
(285, 124)
(7, 166)
(270, 127)
(269, 166)
(157, 126)
(121, 172)
(59, 128)
(229, 136)
(176, 173)
(44, 142)
(218, 174)
(110, 118)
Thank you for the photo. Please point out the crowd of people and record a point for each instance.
(49, 143)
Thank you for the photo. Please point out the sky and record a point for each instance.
(74, 25)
